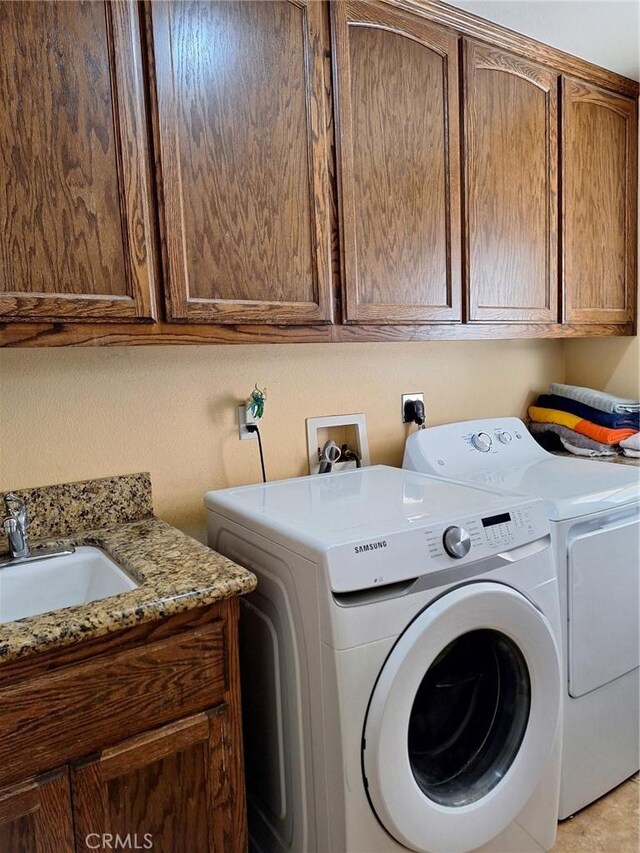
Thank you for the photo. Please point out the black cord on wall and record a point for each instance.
(254, 428)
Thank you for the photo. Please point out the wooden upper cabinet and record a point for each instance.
(35, 817)
(74, 178)
(242, 132)
(511, 179)
(396, 86)
(599, 204)
(172, 787)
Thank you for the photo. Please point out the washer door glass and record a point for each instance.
(463, 719)
(469, 717)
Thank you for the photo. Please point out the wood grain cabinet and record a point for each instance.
(167, 787)
(242, 135)
(396, 88)
(136, 735)
(74, 179)
(314, 171)
(511, 187)
(599, 204)
(35, 816)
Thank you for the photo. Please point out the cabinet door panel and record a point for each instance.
(599, 203)
(243, 154)
(399, 165)
(35, 817)
(172, 788)
(510, 143)
(74, 196)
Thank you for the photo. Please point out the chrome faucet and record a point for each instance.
(16, 526)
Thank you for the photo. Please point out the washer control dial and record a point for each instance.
(481, 441)
(505, 437)
(457, 542)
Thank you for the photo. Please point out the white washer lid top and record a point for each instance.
(570, 487)
(335, 509)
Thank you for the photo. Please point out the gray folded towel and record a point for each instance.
(596, 399)
(572, 440)
(584, 451)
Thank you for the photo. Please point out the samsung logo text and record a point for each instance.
(370, 546)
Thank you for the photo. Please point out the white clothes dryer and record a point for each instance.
(594, 510)
(400, 664)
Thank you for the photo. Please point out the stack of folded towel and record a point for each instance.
(587, 422)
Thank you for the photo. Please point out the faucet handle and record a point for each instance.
(9, 525)
(15, 525)
(16, 508)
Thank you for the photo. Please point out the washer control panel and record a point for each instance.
(485, 535)
(425, 544)
(486, 441)
(465, 449)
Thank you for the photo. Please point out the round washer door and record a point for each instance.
(462, 719)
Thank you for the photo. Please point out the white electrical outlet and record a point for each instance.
(243, 420)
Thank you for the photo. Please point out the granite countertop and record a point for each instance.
(175, 572)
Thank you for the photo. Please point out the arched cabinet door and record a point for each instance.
(242, 137)
(511, 183)
(599, 203)
(396, 85)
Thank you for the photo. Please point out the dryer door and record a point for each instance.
(603, 599)
(462, 719)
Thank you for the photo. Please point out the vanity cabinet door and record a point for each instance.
(74, 179)
(242, 136)
(511, 175)
(178, 789)
(599, 203)
(396, 89)
(35, 817)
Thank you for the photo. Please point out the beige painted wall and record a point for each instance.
(611, 364)
(70, 414)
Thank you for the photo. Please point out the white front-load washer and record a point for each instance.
(594, 510)
(400, 664)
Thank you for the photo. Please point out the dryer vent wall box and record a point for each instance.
(377, 587)
(342, 429)
(594, 510)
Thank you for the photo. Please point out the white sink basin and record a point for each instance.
(41, 586)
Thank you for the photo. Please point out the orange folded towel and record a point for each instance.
(604, 435)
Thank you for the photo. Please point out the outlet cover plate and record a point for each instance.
(405, 399)
(243, 432)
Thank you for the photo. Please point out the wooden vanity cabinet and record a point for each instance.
(171, 785)
(137, 734)
(396, 90)
(75, 222)
(511, 187)
(36, 817)
(242, 138)
(599, 204)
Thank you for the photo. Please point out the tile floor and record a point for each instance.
(610, 825)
